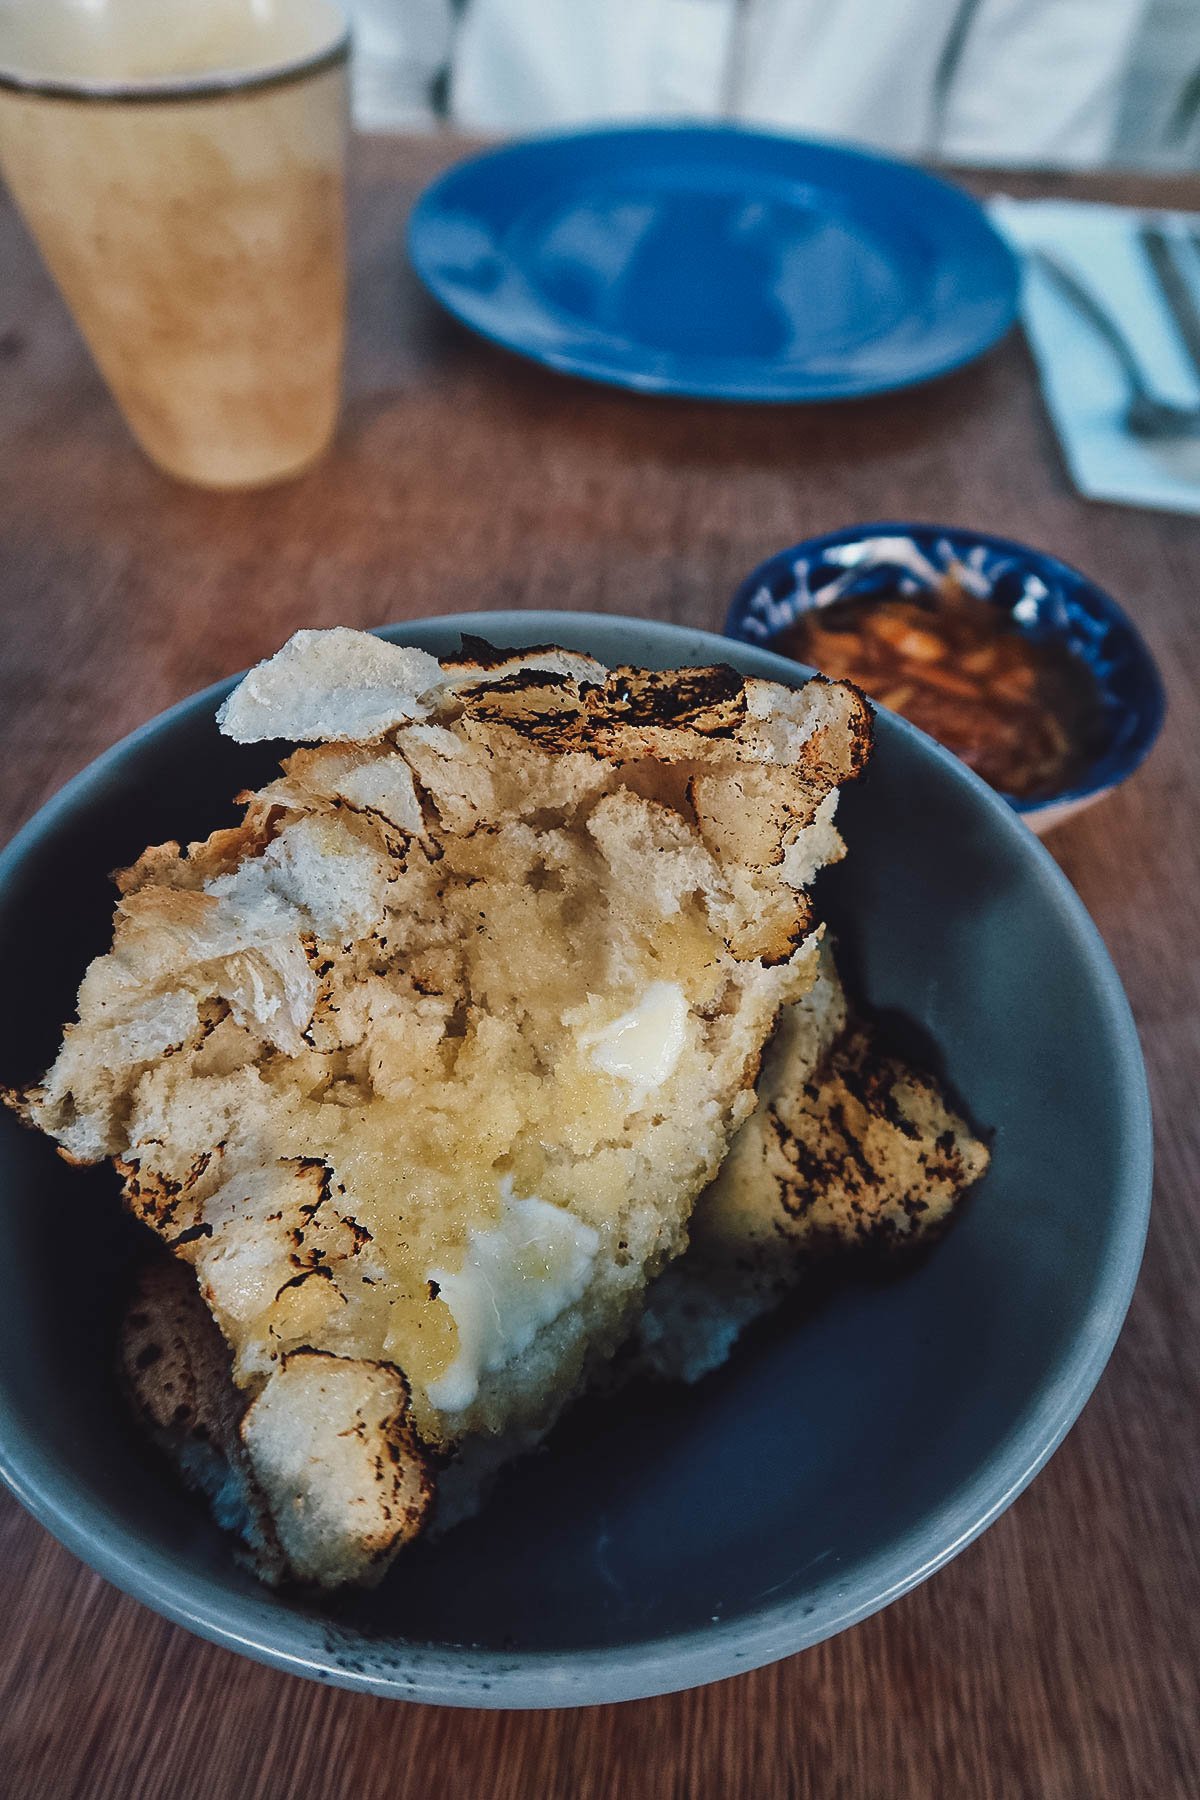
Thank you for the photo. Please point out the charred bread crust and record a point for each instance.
(343, 1471)
(175, 1370)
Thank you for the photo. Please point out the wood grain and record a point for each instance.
(1057, 1657)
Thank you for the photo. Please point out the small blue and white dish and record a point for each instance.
(1046, 599)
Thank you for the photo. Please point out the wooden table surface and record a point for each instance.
(1058, 1656)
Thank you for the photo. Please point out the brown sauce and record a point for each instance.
(1023, 713)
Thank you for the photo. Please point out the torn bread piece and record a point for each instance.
(422, 1067)
(357, 1462)
(853, 1154)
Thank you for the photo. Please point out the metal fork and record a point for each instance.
(1176, 291)
(1147, 414)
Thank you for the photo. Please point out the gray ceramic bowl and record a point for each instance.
(840, 1458)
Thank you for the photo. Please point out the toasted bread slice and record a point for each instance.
(765, 1235)
(853, 1154)
(423, 1066)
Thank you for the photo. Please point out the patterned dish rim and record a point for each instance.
(1055, 600)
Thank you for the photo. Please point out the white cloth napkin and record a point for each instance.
(1084, 387)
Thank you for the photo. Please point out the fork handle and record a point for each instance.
(1089, 308)
(1174, 289)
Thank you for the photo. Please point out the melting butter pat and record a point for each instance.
(644, 1045)
(516, 1276)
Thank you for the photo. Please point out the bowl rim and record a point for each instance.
(479, 1677)
(1106, 774)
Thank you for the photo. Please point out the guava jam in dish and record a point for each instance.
(1023, 712)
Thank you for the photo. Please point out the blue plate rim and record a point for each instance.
(1151, 717)
(522, 1680)
(760, 393)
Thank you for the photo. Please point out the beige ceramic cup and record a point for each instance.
(182, 167)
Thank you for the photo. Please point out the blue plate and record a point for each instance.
(715, 262)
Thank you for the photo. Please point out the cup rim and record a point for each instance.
(210, 84)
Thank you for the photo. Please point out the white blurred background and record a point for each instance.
(1046, 83)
